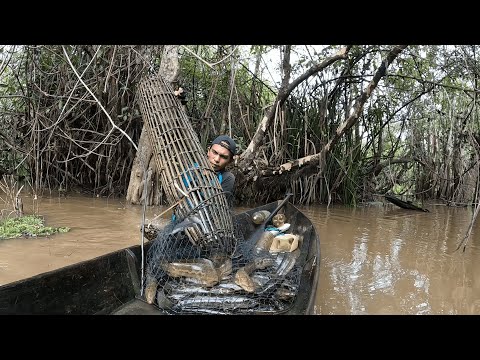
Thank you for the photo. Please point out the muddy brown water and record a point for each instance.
(374, 260)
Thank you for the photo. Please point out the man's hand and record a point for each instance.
(181, 94)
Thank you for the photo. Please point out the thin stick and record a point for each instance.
(469, 231)
(163, 212)
(179, 189)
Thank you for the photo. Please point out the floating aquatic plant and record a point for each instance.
(29, 225)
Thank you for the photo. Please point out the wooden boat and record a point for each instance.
(110, 284)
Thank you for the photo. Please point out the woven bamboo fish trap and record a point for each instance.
(186, 176)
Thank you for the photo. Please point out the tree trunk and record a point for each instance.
(169, 69)
(142, 161)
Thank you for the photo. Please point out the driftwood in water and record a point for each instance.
(403, 204)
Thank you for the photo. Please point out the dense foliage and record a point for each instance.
(69, 117)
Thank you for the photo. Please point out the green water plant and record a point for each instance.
(27, 226)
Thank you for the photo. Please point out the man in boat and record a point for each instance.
(220, 154)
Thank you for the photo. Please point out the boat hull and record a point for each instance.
(111, 283)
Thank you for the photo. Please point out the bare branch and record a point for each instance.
(99, 104)
(285, 90)
(347, 124)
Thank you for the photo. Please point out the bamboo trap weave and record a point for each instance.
(185, 173)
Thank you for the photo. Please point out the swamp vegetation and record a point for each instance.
(331, 124)
(13, 222)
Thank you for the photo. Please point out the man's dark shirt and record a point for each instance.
(228, 185)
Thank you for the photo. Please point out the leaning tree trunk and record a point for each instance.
(169, 70)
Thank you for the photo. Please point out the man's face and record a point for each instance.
(219, 157)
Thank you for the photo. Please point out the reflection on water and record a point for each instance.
(374, 260)
(386, 260)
